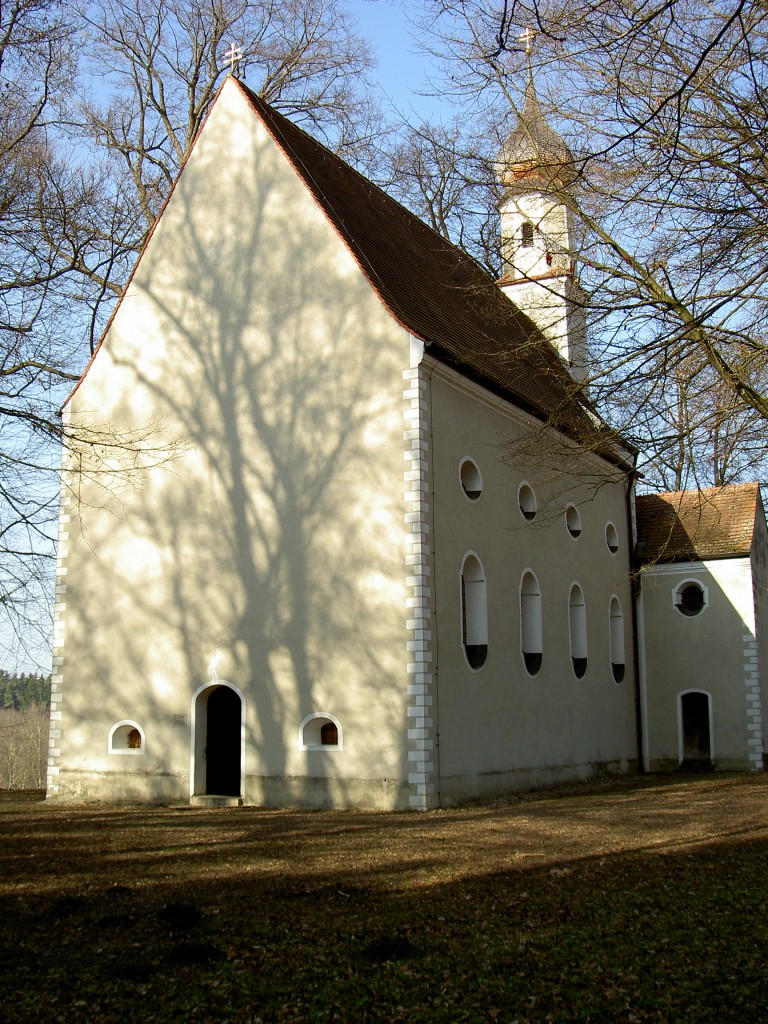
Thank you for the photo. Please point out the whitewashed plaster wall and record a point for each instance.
(711, 651)
(263, 382)
(498, 728)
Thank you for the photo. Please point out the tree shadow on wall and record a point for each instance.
(276, 538)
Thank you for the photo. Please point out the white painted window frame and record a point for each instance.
(572, 645)
(676, 597)
(326, 716)
(569, 526)
(610, 525)
(464, 461)
(523, 484)
(121, 751)
(524, 620)
(479, 627)
(611, 652)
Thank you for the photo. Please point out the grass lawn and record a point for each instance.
(643, 900)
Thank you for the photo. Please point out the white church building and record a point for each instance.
(388, 560)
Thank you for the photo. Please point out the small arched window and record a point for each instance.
(531, 632)
(320, 731)
(577, 621)
(474, 612)
(616, 627)
(125, 738)
(526, 234)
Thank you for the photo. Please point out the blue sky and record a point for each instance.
(402, 71)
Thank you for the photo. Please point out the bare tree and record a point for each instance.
(155, 68)
(35, 67)
(23, 747)
(48, 235)
(100, 104)
(443, 176)
(664, 109)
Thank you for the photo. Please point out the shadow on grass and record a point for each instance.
(569, 908)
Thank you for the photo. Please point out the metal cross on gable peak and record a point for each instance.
(527, 37)
(234, 55)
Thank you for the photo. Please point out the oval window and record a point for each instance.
(611, 538)
(573, 521)
(471, 480)
(527, 501)
(690, 598)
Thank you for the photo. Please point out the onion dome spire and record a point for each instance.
(534, 155)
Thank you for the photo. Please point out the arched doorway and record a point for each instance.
(217, 741)
(695, 731)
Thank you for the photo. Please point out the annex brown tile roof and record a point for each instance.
(682, 526)
(434, 289)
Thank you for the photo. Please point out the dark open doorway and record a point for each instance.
(222, 742)
(697, 747)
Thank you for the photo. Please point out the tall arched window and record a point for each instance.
(616, 626)
(577, 620)
(526, 234)
(531, 633)
(474, 612)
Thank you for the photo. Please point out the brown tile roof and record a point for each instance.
(435, 290)
(682, 526)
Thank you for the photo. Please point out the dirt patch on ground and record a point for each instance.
(550, 907)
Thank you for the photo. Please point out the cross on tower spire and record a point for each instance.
(527, 37)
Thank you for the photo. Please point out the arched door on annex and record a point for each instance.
(695, 715)
(218, 742)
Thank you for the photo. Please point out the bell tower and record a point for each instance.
(537, 170)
